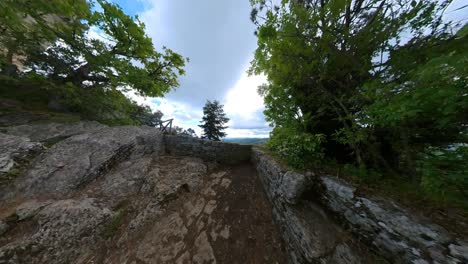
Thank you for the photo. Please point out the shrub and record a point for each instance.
(110, 106)
(296, 148)
(362, 174)
(444, 171)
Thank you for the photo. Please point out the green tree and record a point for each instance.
(82, 55)
(146, 117)
(27, 27)
(91, 44)
(318, 57)
(190, 132)
(213, 121)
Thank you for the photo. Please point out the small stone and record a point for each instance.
(204, 251)
(209, 207)
(225, 232)
(459, 251)
(3, 227)
(225, 183)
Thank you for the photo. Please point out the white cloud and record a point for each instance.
(243, 100)
(244, 106)
(183, 114)
(218, 38)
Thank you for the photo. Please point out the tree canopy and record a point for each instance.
(91, 44)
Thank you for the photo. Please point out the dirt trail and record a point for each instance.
(246, 210)
(227, 220)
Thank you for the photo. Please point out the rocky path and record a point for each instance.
(150, 210)
(113, 195)
(227, 220)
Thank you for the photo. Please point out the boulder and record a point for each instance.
(293, 186)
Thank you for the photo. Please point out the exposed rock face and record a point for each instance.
(14, 148)
(52, 131)
(390, 229)
(111, 195)
(208, 150)
(387, 229)
(67, 229)
(78, 160)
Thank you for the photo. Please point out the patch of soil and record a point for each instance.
(253, 237)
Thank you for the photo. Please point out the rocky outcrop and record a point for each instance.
(77, 160)
(75, 194)
(113, 195)
(305, 206)
(14, 149)
(66, 230)
(222, 152)
(390, 229)
(41, 132)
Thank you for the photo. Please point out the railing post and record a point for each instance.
(163, 127)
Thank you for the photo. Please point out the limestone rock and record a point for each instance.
(51, 131)
(79, 159)
(127, 178)
(293, 186)
(3, 227)
(460, 250)
(392, 230)
(30, 209)
(13, 148)
(66, 230)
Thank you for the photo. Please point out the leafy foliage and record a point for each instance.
(120, 55)
(213, 121)
(296, 148)
(445, 171)
(148, 118)
(382, 81)
(88, 53)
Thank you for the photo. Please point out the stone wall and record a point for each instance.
(208, 150)
(310, 210)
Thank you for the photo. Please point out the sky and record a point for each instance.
(218, 38)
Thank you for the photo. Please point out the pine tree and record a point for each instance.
(213, 121)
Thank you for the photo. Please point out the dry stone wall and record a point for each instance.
(222, 152)
(307, 206)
